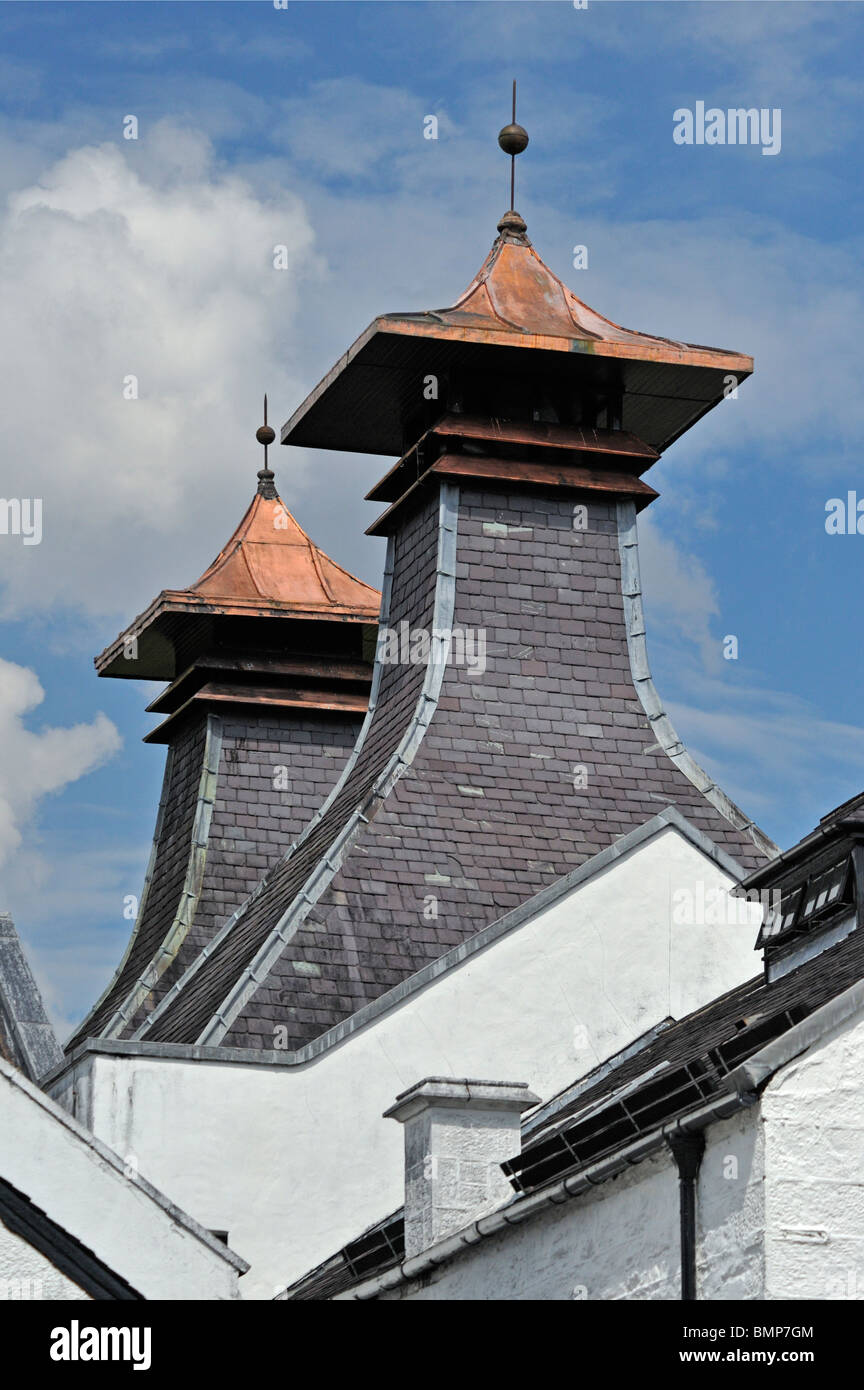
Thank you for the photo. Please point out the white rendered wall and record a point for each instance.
(618, 1242)
(25, 1274)
(813, 1114)
(730, 1210)
(622, 1240)
(294, 1161)
(49, 1158)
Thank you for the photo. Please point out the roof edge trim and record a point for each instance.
(190, 891)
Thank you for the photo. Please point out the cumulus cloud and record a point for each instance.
(38, 763)
(139, 259)
(679, 592)
(769, 749)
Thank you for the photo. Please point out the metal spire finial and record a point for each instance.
(265, 435)
(513, 138)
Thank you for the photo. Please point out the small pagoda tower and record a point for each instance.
(525, 736)
(268, 659)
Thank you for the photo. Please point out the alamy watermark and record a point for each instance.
(845, 515)
(404, 645)
(713, 906)
(77, 1343)
(22, 516)
(735, 126)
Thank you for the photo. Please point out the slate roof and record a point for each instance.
(555, 695)
(27, 1038)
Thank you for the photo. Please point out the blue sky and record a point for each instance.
(304, 127)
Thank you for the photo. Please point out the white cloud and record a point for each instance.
(38, 763)
(769, 749)
(139, 259)
(678, 591)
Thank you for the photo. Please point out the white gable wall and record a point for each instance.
(82, 1187)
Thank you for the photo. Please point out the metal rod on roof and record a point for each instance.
(513, 158)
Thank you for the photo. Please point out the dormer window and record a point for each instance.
(825, 892)
(809, 916)
(807, 905)
(782, 918)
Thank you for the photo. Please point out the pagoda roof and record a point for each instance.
(268, 569)
(514, 302)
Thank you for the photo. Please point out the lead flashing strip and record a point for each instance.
(649, 698)
(190, 893)
(669, 818)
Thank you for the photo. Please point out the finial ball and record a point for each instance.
(513, 139)
(265, 435)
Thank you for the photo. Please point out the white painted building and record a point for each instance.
(290, 1154)
(719, 1159)
(780, 1212)
(517, 893)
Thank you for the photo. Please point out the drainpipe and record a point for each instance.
(687, 1150)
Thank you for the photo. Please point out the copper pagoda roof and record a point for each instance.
(268, 569)
(514, 302)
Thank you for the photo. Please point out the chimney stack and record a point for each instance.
(457, 1134)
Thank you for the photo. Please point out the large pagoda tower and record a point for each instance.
(523, 423)
(268, 659)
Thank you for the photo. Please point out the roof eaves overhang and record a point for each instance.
(787, 860)
(113, 661)
(386, 346)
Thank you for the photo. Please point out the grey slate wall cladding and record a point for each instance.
(251, 824)
(253, 820)
(487, 815)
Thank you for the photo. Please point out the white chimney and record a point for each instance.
(457, 1133)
